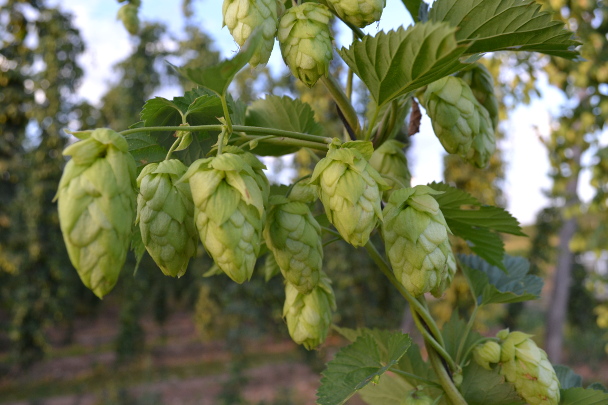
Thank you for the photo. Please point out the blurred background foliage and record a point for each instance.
(43, 303)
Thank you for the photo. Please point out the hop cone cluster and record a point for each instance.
(308, 316)
(359, 13)
(96, 200)
(305, 41)
(242, 17)
(526, 366)
(390, 161)
(416, 241)
(350, 190)
(228, 212)
(165, 214)
(461, 123)
(128, 15)
(294, 237)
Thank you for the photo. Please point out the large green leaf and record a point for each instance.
(476, 223)
(483, 387)
(389, 390)
(493, 285)
(281, 113)
(398, 62)
(495, 25)
(581, 396)
(413, 6)
(160, 112)
(567, 378)
(145, 149)
(360, 363)
(218, 77)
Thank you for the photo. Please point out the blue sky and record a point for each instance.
(527, 164)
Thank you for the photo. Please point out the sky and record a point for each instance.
(525, 156)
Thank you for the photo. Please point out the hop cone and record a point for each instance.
(415, 397)
(416, 241)
(484, 142)
(481, 82)
(257, 166)
(350, 190)
(526, 366)
(360, 13)
(294, 237)
(390, 161)
(165, 214)
(243, 16)
(308, 316)
(305, 41)
(128, 15)
(487, 353)
(228, 212)
(96, 199)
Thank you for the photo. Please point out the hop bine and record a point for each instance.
(359, 13)
(390, 161)
(416, 241)
(306, 42)
(308, 316)
(243, 16)
(294, 237)
(228, 212)
(350, 190)
(96, 201)
(165, 214)
(461, 123)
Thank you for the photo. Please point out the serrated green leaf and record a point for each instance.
(476, 224)
(217, 78)
(413, 363)
(598, 386)
(205, 108)
(398, 62)
(452, 332)
(493, 285)
(360, 363)
(159, 111)
(349, 334)
(567, 377)
(413, 6)
(145, 149)
(281, 113)
(495, 25)
(581, 396)
(483, 387)
(389, 390)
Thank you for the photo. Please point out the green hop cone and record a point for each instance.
(486, 354)
(306, 42)
(390, 161)
(165, 213)
(308, 316)
(242, 17)
(484, 142)
(128, 15)
(257, 166)
(359, 13)
(228, 212)
(526, 366)
(416, 241)
(294, 236)
(481, 82)
(96, 201)
(350, 190)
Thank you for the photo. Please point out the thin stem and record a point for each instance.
(372, 123)
(220, 141)
(257, 139)
(349, 84)
(414, 376)
(343, 102)
(329, 242)
(296, 182)
(434, 328)
(430, 340)
(278, 140)
(226, 115)
(236, 128)
(444, 378)
(173, 147)
(464, 336)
